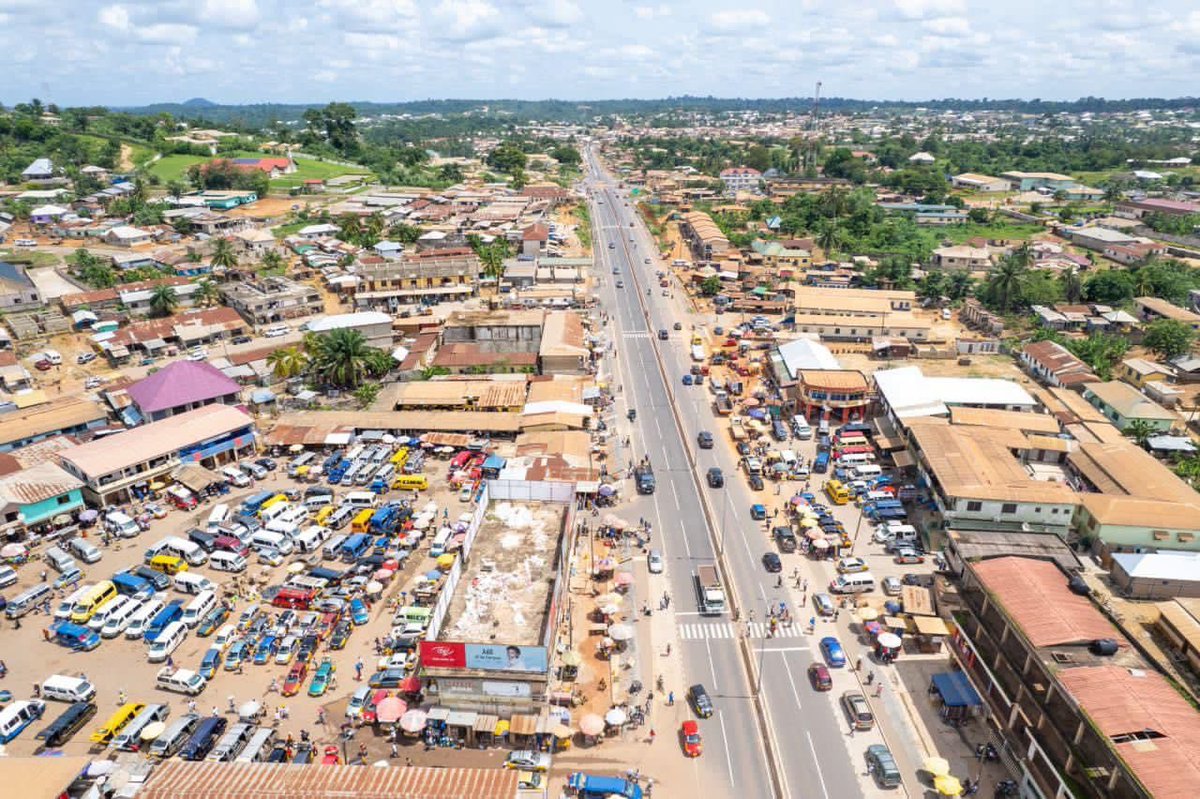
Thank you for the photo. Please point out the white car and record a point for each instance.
(655, 562)
(198, 354)
(275, 331)
(85, 357)
(93, 382)
(358, 701)
(270, 557)
(235, 476)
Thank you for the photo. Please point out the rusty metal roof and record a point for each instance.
(1157, 732)
(178, 779)
(1034, 593)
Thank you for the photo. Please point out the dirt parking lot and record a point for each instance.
(120, 665)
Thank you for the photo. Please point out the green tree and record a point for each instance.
(366, 394)
(828, 237)
(980, 216)
(1072, 286)
(450, 173)
(711, 286)
(1169, 338)
(207, 293)
(1140, 431)
(349, 228)
(287, 362)
(1005, 283)
(223, 255)
(340, 358)
(272, 261)
(507, 157)
(163, 300)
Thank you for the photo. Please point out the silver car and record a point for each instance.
(655, 562)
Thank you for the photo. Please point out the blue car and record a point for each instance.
(358, 612)
(758, 512)
(237, 654)
(267, 649)
(832, 650)
(210, 663)
(687, 380)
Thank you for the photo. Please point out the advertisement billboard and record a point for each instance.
(484, 657)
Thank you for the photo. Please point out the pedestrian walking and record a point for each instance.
(395, 750)
(358, 667)
(121, 697)
(879, 690)
(653, 735)
(858, 664)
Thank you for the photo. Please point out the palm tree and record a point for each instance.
(207, 293)
(1140, 431)
(1072, 286)
(1007, 280)
(349, 228)
(1143, 282)
(341, 359)
(828, 236)
(272, 260)
(493, 260)
(960, 286)
(287, 362)
(223, 254)
(163, 300)
(379, 363)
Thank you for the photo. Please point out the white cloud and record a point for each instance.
(118, 18)
(369, 16)
(115, 17)
(925, 9)
(948, 26)
(650, 12)
(238, 14)
(738, 21)
(466, 20)
(556, 13)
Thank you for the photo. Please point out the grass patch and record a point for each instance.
(32, 259)
(584, 229)
(175, 166)
(996, 230)
(310, 169)
(283, 231)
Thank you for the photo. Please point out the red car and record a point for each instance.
(689, 733)
(42, 366)
(295, 679)
(368, 712)
(908, 556)
(818, 675)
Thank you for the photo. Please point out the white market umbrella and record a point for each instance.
(616, 717)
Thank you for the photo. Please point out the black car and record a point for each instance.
(772, 563)
(307, 648)
(267, 464)
(756, 482)
(698, 699)
(704, 439)
(663, 334)
(241, 339)
(205, 541)
(715, 478)
(160, 581)
(743, 448)
(677, 326)
(341, 634)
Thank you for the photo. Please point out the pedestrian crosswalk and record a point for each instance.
(755, 629)
(636, 334)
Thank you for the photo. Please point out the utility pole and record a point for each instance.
(811, 158)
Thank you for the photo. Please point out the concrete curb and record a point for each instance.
(773, 756)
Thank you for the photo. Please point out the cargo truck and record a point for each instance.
(709, 590)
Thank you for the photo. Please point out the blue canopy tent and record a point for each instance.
(957, 694)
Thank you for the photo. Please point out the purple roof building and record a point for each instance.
(181, 387)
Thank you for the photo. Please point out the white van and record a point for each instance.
(181, 681)
(341, 517)
(167, 642)
(131, 734)
(266, 539)
(225, 637)
(59, 560)
(121, 525)
(84, 550)
(361, 499)
(227, 561)
(19, 715)
(235, 476)
(142, 617)
(274, 512)
(27, 600)
(259, 746)
(315, 502)
(866, 471)
(231, 743)
(330, 552)
(8, 576)
(855, 459)
(120, 619)
(801, 428)
(189, 583)
(62, 612)
(62, 688)
(310, 538)
(853, 583)
(385, 472)
(199, 607)
(438, 547)
(106, 612)
(284, 528)
(216, 518)
(190, 551)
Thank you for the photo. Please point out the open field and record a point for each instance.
(175, 167)
(309, 169)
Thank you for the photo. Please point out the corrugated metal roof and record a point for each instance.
(1121, 702)
(1034, 593)
(183, 780)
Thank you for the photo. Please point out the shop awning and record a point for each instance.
(902, 459)
(955, 689)
(917, 600)
(930, 625)
(338, 440)
(438, 713)
(522, 724)
(486, 723)
(462, 718)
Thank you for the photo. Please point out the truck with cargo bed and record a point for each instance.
(710, 592)
(643, 476)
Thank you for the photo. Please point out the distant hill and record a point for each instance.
(199, 102)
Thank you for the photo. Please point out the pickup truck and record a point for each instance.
(723, 405)
(737, 430)
(643, 476)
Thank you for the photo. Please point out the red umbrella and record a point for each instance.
(623, 578)
(390, 709)
(410, 685)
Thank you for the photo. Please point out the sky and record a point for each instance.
(134, 52)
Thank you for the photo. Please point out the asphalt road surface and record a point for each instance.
(809, 734)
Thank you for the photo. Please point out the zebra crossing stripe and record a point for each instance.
(756, 629)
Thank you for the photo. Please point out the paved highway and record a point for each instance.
(809, 733)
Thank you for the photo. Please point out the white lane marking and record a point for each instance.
(756, 630)
(712, 669)
(791, 679)
(675, 494)
(817, 763)
(787, 648)
(728, 759)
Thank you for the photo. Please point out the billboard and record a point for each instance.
(484, 657)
